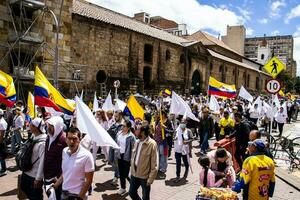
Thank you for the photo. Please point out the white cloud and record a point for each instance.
(195, 15)
(249, 31)
(275, 32)
(245, 13)
(275, 8)
(295, 12)
(263, 21)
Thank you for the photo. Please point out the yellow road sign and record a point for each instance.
(274, 67)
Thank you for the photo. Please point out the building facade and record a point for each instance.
(280, 46)
(98, 46)
(235, 38)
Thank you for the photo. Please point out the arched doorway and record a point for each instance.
(196, 83)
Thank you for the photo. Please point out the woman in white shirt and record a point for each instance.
(32, 180)
(126, 141)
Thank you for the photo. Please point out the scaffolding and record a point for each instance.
(26, 48)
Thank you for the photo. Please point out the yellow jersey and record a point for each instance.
(225, 122)
(257, 172)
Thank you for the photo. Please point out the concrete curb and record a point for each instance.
(289, 179)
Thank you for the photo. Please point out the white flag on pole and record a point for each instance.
(245, 94)
(120, 105)
(180, 107)
(213, 104)
(108, 105)
(87, 123)
(276, 101)
(81, 95)
(95, 103)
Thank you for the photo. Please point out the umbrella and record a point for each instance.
(142, 99)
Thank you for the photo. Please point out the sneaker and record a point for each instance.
(121, 191)
(114, 181)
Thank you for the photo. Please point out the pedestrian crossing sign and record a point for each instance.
(274, 66)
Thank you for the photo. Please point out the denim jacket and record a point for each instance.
(130, 141)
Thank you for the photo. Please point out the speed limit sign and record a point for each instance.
(273, 86)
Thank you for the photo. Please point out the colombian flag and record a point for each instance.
(7, 89)
(221, 89)
(30, 105)
(134, 109)
(281, 94)
(46, 95)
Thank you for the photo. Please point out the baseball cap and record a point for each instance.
(1, 112)
(258, 143)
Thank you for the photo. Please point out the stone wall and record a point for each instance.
(4, 24)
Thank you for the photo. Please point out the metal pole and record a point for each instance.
(57, 23)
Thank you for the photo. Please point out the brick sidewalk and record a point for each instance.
(163, 188)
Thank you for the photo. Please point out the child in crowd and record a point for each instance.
(207, 176)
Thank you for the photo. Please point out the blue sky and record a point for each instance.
(263, 16)
(270, 17)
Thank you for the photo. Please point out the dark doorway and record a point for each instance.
(147, 76)
(196, 83)
(148, 53)
(101, 76)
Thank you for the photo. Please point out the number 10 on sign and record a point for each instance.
(273, 86)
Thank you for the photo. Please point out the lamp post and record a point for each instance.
(56, 58)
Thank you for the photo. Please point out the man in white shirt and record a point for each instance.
(3, 127)
(18, 124)
(32, 180)
(280, 118)
(77, 168)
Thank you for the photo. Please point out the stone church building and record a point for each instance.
(98, 46)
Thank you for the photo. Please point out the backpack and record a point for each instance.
(252, 125)
(23, 156)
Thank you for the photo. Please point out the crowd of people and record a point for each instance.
(63, 158)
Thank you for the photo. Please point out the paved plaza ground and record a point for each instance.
(162, 188)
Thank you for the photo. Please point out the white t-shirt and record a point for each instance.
(280, 117)
(19, 122)
(122, 142)
(74, 167)
(3, 124)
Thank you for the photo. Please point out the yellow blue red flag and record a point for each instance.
(46, 95)
(7, 89)
(30, 105)
(134, 109)
(220, 89)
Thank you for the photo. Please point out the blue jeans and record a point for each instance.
(135, 183)
(163, 164)
(15, 140)
(204, 144)
(178, 157)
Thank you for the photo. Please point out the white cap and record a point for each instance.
(1, 112)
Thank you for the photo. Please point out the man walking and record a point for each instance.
(77, 168)
(206, 129)
(144, 164)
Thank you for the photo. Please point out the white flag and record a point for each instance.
(108, 105)
(213, 104)
(120, 105)
(180, 107)
(95, 103)
(245, 94)
(81, 95)
(268, 110)
(258, 102)
(276, 101)
(87, 123)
